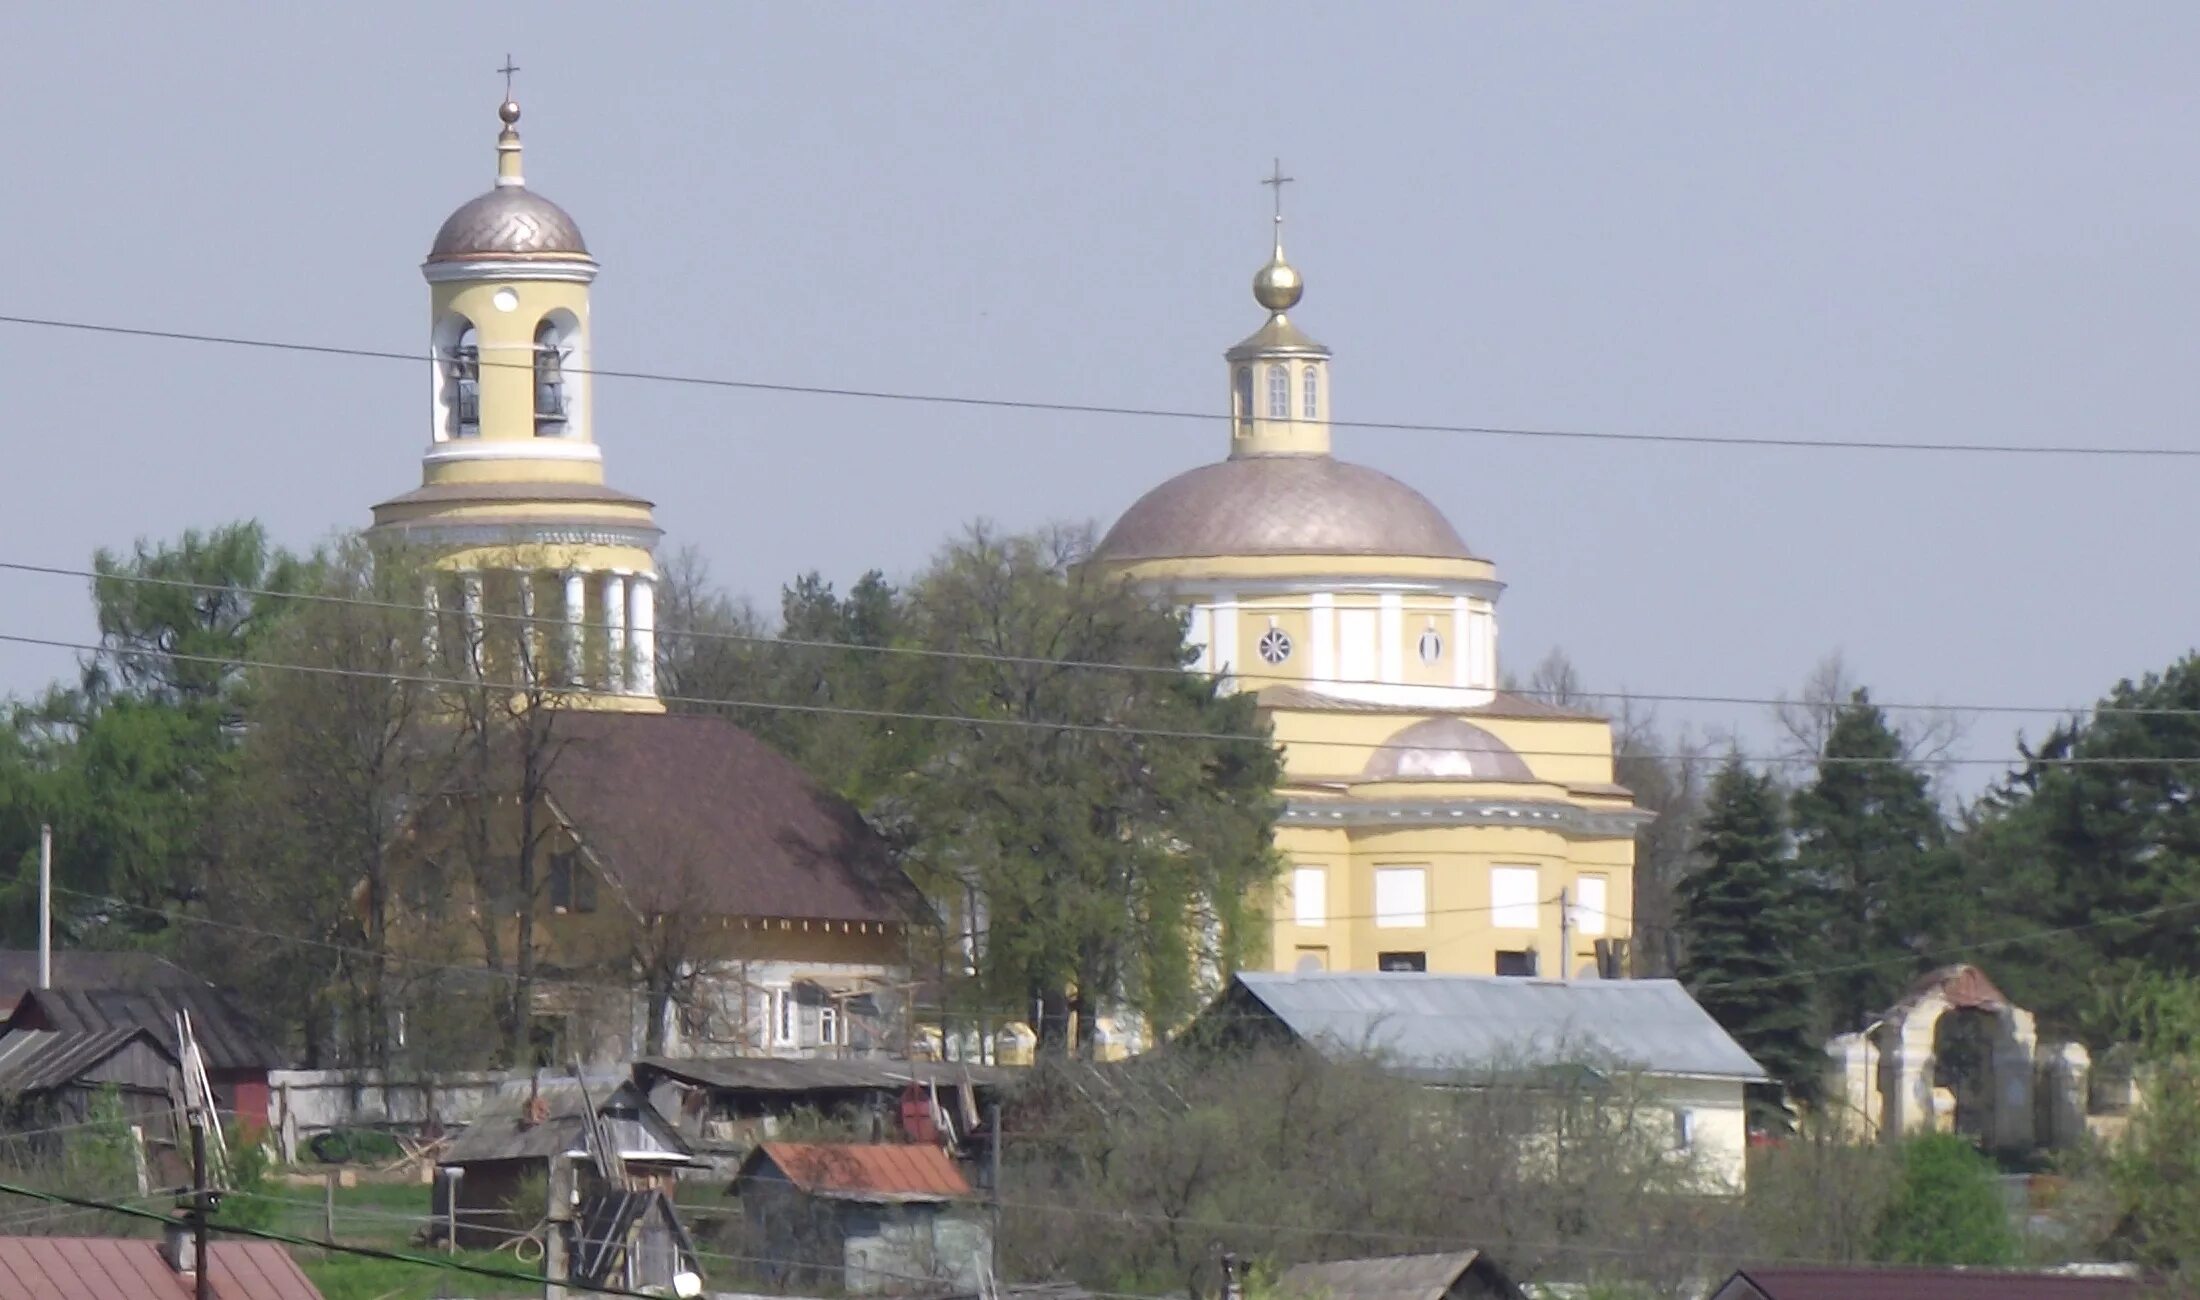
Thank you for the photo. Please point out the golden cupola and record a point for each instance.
(512, 503)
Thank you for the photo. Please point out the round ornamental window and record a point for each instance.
(1275, 645)
(1432, 646)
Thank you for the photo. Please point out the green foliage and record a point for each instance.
(2153, 1175)
(1819, 1195)
(355, 1277)
(1745, 919)
(102, 1154)
(1872, 842)
(2106, 853)
(1948, 1208)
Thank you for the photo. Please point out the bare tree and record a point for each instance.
(1928, 737)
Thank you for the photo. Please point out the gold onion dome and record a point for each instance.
(1277, 286)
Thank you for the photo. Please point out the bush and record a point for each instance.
(1947, 1209)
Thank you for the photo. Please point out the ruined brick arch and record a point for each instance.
(1907, 1040)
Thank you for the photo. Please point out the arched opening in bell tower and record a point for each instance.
(457, 379)
(556, 385)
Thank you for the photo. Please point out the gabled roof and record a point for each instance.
(687, 812)
(104, 1268)
(34, 1060)
(1393, 1277)
(77, 969)
(227, 1037)
(767, 1074)
(1434, 1026)
(1923, 1284)
(881, 1172)
(634, 1127)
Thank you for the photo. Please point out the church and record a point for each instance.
(1432, 820)
(673, 852)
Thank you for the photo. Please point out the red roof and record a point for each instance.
(103, 1268)
(881, 1171)
(1921, 1284)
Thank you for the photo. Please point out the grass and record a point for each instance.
(385, 1215)
(354, 1277)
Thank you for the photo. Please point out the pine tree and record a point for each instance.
(1744, 925)
(1871, 841)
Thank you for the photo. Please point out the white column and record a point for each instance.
(576, 614)
(1321, 624)
(614, 617)
(529, 644)
(1461, 649)
(644, 620)
(1226, 635)
(1200, 633)
(431, 601)
(1391, 637)
(469, 609)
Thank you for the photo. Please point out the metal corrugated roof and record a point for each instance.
(1439, 1024)
(633, 1126)
(32, 1060)
(103, 1268)
(864, 1171)
(1387, 1277)
(227, 1036)
(788, 1074)
(1869, 1283)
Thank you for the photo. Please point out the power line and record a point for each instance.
(1139, 412)
(542, 623)
(1042, 724)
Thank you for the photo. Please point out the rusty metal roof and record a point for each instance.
(862, 1171)
(102, 1268)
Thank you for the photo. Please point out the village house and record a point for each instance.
(862, 1219)
(1450, 1275)
(1453, 1030)
(110, 1268)
(61, 1044)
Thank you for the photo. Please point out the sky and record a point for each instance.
(1915, 223)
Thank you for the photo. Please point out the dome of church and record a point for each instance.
(1281, 505)
(1446, 747)
(508, 221)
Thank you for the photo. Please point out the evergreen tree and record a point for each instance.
(1873, 846)
(1744, 927)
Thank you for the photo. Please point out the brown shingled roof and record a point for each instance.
(103, 1268)
(685, 812)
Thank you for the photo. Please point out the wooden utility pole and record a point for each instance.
(202, 1207)
(557, 1236)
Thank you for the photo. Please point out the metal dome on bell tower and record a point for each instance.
(1279, 378)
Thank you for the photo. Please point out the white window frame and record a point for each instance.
(1391, 912)
(786, 1018)
(1590, 914)
(1310, 387)
(1310, 906)
(828, 1024)
(1279, 391)
(1509, 911)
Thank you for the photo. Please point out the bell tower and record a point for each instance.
(551, 572)
(1279, 378)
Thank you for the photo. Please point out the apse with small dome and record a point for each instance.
(1433, 821)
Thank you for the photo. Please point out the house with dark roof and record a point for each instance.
(75, 968)
(1449, 1275)
(751, 910)
(237, 1054)
(1466, 1030)
(862, 1219)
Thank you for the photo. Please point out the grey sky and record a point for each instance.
(1944, 222)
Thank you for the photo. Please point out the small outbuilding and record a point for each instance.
(862, 1219)
(237, 1054)
(1451, 1275)
(481, 1177)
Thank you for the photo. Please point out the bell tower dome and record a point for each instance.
(512, 506)
(1279, 378)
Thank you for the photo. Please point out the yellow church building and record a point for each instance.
(1432, 821)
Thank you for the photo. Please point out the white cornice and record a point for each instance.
(571, 270)
(457, 449)
(1565, 819)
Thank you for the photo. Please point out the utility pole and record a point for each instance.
(45, 906)
(993, 1179)
(1565, 937)
(202, 1207)
(557, 1237)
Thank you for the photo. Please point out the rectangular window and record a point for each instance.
(1516, 965)
(785, 1017)
(1401, 898)
(1589, 902)
(1310, 895)
(1401, 961)
(1356, 645)
(1684, 1129)
(828, 1024)
(1513, 902)
(561, 882)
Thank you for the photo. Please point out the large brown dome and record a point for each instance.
(508, 221)
(1281, 505)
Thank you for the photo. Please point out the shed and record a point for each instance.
(484, 1168)
(51, 1080)
(1448, 1030)
(735, 1101)
(76, 968)
(1451, 1275)
(634, 1240)
(1927, 1284)
(862, 1218)
(238, 1056)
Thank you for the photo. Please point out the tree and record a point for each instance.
(1745, 925)
(1948, 1208)
(2096, 837)
(1111, 844)
(1665, 773)
(1871, 842)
